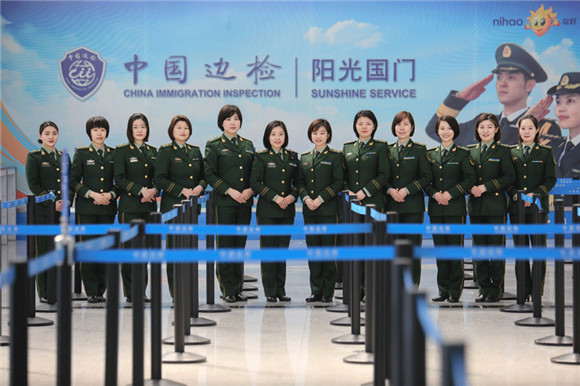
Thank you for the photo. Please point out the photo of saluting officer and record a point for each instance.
(516, 73)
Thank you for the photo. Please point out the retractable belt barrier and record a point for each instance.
(24, 201)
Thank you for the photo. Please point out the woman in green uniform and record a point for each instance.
(494, 172)
(320, 179)
(229, 160)
(274, 177)
(410, 174)
(535, 174)
(43, 175)
(96, 200)
(453, 177)
(179, 172)
(134, 171)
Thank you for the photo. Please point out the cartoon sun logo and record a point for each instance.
(541, 20)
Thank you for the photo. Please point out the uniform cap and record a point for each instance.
(511, 57)
(569, 83)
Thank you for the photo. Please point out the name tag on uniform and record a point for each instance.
(250, 151)
(195, 159)
(305, 164)
(225, 150)
(326, 162)
(271, 164)
(537, 161)
(291, 164)
(371, 152)
(45, 164)
(349, 153)
(494, 160)
(410, 157)
(153, 157)
(90, 162)
(178, 160)
(133, 159)
(452, 163)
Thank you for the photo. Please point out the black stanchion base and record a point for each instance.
(361, 358)
(249, 287)
(250, 295)
(78, 297)
(161, 382)
(535, 322)
(518, 308)
(249, 279)
(189, 340)
(567, 359)
(39, 322)
(201, 322)
(4, 340)
(349, 339)
(338, 285)
(337, 308)
(555, 340)
(47, 308)
(345, 321)
(471, 285)
(182, 357)
(214, 308)
(508, 296)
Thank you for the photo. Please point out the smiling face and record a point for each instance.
(528, 131)
(49, 137)
(139, 129)
(403, 130)
(364, 128)
(319, 137)
(446, 133)
(512, 88)
(486, 130)
(277, 138)
(231, 125)
(98, 136)
(181, 132)
(568, 111)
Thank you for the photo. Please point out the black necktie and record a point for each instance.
(444, 153)
(53, 155)
(235, 141)
(281, 156)
(483, 150)
(526, 151)
(100, 151)
(568, 147)
(401, 147)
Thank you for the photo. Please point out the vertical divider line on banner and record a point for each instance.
(559, 338)
(195, 320)
(210, 305)
(112, 322)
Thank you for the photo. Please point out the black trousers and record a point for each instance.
(274, 273)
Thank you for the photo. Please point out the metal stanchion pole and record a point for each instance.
(559, 338)
(414, 340)
(451, 354)
(210, 305)
(155, 218)
(195, 320)
(112, 323)
(138, 291)
(537, 282)
(33, 320)
(4, 340)
(574, 357)
(64, 305)
(520, 306)
(343, 206)
(18, 326)
(50, 306)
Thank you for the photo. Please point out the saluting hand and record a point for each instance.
(540, 109)
(474, 90)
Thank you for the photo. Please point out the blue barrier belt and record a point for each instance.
(428, 326)
(498, 253)
(566, 186)
(235, 255)
(202, 199)
(46, 197)
(530, 200)
(103, 242)
(129, 234)
(360, 209)
(44, 262)
(14, 204)
(378, 215)
(7, 277)
(264, 230)
(169, 215)
(483, 229)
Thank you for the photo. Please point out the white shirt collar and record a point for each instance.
(512, 117)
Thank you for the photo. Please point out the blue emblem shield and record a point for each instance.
(82, 72)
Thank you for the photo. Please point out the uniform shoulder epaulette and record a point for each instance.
(150, 146)
(473, 145)
(350, 143)
(433, 148)
(123, 145)
(262, 151)
(214, 139)
(462, 148)
(82, 148)
(193, 146)
(336, 151)
(245, 139)
(307, 152)
(420, 144)
(545, 146)
(110, 148)
(35, 151)
(504, 145)
(380, 141)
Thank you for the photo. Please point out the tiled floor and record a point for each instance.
(283, 345)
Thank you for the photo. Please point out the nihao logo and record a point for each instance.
(505, 22)
(539, 22)
(82, 71)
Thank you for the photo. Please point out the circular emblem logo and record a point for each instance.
(507, 52)
(564, 80)
(82, 73)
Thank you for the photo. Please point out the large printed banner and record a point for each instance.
(295, 61)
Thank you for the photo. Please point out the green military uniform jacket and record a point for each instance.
(453, 173)
(368, 168)
(43, 175)
(271, 177)
(321, 176)
(535, 174)
(89, 172)
(134, 170)
(229, 166)
(496, 171)
(176, 169)
(411, 170)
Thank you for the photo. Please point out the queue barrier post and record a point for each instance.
(559, 338)
(210, 305)
(19, 326)
(138, 291)
(33, 320)
(112, 322)
(574, 357)
(343, 207)
(453, 354)
(4, 340)
(64, 316)
(195, 320)
(156, 368)
(536, 320)
(51, 273)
